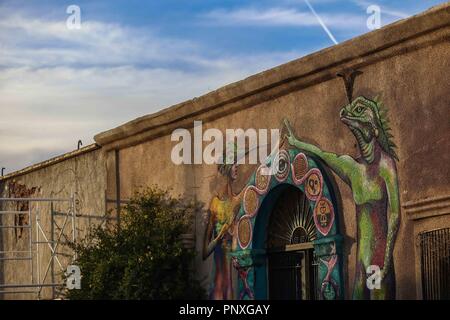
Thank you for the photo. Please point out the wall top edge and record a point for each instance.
(50, 162)
(343, 54)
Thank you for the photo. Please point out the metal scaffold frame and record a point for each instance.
(37, 281)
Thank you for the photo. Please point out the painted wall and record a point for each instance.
(406, 65)
(413, 83)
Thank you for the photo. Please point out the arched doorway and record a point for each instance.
(261, 246)
(292, 267)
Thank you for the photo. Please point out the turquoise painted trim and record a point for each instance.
(254, 256)
(326, 240)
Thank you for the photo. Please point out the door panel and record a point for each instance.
(292, 275)
(292, 269)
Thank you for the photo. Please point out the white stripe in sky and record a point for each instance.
(321, 22)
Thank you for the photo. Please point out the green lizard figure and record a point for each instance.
(372, 178)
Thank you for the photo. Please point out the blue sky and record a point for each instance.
(132, 58)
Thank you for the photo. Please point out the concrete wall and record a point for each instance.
(80, 174)
(406, 64)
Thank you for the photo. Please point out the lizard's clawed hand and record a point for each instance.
(290, 135)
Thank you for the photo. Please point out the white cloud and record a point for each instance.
(384, 9)
(59, 85)
(35, 42)
(282, 17)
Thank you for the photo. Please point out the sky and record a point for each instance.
(132, 58)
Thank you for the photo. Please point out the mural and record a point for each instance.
(318, 224)
(243, 277)
(219, 232)
(17, 190)
(237, 224)
(329, 287)
(233, 218)
(372, 178)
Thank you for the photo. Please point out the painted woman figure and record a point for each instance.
(372, 178)
(223, 210)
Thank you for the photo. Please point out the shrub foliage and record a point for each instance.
(145, 257)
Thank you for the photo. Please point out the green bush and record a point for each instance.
(145, 257)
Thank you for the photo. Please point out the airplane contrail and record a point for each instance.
(321, 22)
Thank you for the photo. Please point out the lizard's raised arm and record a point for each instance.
(342, 165)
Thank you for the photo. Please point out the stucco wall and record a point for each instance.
(411, 76)
(406, 65)
(82, 176)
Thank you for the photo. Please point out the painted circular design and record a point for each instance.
(262, 179)
(244, 232)
(251, 201)
(282, 165)
(313, 186)
(299, 167)
(324, 216)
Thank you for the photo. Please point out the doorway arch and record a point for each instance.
(292, 267)
(289, 170)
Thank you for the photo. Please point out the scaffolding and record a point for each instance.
(37, 239)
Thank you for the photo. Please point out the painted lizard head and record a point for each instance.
(369, 123)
